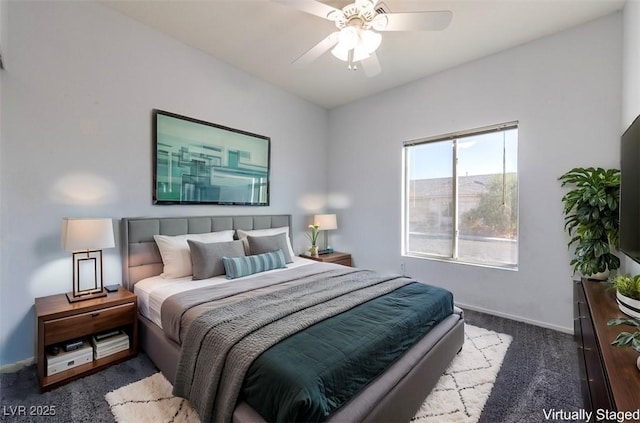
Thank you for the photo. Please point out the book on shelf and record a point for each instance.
(105, 335)
(105, 344)
(109, 339)
(106, 352)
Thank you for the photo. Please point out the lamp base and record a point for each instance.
(81, 297)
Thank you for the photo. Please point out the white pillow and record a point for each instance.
(264, 232)
(175, 253)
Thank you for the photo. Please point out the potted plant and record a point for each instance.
(313, 237)
(628, 294)
(627, 339)
(591, 219)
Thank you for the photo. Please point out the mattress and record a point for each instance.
(153, 291)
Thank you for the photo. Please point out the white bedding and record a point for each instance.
(153, 291)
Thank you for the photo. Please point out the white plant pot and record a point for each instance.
(638, 362)
(600, 276)
(628, 306)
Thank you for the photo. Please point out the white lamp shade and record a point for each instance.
(370, 41)
(326, 222)
(87, 234)
(349, 37)
(362, 42)
(340, 52)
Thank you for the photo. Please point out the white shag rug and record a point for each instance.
(459, 396)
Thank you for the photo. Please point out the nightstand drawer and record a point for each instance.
(334, 257)
(84, 324)
(344, 262)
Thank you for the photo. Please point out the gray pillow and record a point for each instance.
(206, 258)
(269, 243)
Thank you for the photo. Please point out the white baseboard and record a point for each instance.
(517, 318)
(12, 368)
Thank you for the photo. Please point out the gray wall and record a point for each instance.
(76, 140)
(565, 92)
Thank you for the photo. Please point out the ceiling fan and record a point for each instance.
(359, 25)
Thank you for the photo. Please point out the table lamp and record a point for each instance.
(86, 238)
(327, 222)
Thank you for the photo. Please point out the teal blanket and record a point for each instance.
(312, 373)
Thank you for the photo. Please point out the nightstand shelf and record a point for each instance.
(59, 321)
(335, 257)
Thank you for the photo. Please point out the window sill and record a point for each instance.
(512, 268)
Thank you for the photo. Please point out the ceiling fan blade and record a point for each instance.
(371, 65)
(317, 50)
(413, 21)
(312, 7)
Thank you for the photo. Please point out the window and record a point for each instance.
(461, 197)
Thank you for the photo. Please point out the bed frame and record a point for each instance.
(395, 395)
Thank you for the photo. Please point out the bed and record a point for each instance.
(394, 395)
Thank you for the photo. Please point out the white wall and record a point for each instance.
(76, 140)
(631, 82)
(565, 92)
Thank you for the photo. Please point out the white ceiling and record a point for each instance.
(263, 38)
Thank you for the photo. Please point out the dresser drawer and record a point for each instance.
(84, 324)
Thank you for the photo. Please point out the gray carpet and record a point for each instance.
(539, 371)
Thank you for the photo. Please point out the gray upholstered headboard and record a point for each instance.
(140, 256)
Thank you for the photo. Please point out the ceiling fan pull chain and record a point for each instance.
(351, 65)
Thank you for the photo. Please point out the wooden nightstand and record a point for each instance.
(59, 321)
(335, 257)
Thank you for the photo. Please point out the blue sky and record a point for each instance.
(477, 155)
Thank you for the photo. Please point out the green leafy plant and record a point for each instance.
(591, 217)
(627, 339)
(313, 235)
(628, 285)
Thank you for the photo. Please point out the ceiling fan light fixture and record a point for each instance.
(343, 54)
(361, 50)
(349, 37)
(359, 53)
(355, 44)
(370, 40)
(340, 52)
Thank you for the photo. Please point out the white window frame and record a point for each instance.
(454, 137)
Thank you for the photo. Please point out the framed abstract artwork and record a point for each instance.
(198, 162)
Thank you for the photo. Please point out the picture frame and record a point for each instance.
(198, 162)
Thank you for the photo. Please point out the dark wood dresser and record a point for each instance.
(610, 378)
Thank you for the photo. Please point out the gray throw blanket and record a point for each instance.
(222, 343)
(179, 310)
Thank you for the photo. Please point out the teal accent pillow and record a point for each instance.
(237, 267)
